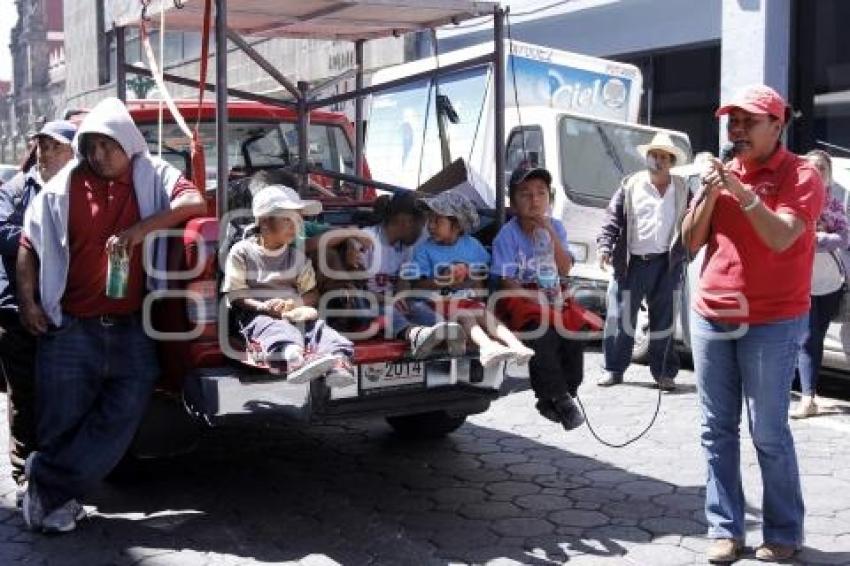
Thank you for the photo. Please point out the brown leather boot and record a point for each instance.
(774, 552)
(723, 551)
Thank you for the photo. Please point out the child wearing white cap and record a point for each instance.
(271, 287)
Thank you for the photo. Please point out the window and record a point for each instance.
(595, 156)
(256, 145)
(831, 80)
(404, 137)
(525, 147)
(179, 46)
(105, 43)
(342, 149)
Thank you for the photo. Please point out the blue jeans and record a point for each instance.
(419, 313)
(809, 361)
(654, 281)
(93, 383)
(755, 366)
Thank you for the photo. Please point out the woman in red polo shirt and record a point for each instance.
(757, 218)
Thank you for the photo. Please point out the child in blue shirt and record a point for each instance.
(557, 369)
(456, 265)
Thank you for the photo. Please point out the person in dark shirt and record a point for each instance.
(17, 346)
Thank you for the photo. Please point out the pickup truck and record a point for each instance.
(205, 379)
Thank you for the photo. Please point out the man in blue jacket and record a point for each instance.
(17, 346)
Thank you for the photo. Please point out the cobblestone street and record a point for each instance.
(507, 488)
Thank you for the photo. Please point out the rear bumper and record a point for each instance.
(233, 395)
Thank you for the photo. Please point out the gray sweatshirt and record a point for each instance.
(46, 220)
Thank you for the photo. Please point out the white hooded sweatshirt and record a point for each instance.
(46, 220)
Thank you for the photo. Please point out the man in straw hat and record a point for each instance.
(640, 241)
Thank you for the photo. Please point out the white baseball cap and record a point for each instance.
(273, 198)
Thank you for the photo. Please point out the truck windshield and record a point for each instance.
(595, 156)
(256, 145)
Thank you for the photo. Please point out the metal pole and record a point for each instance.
(650, 93)
(261, 61)
(210, 87)
(222, 169)
(499, 110)
(358, 114)
(444, 70)
(120, 61)
(303, 130)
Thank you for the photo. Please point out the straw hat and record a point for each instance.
(663, 142)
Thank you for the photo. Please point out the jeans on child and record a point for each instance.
(274, 334)
(755, 367)
(419, 313)
(94, 379)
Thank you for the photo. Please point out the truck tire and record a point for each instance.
(436, 424)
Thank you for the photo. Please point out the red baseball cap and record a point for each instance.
(756, 99)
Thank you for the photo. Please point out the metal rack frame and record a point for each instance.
(303, 98)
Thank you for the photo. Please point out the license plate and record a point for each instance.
(391, 374)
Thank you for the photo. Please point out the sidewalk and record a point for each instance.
(507, 488)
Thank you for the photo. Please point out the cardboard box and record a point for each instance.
(459, 177)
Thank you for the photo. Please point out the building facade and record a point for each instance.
(7, 154)
(38, 89)
(693, 53)
(90, 38)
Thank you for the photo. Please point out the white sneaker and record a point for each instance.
(341, 375)
(805, 408)
(455, 338)
(423, 339)
(64, 518)
(493, 354)
(522, 354)
(312, 368)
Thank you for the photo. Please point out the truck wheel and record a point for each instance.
(640, 352)
(426, 425)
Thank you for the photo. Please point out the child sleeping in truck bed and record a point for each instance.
(271, 288)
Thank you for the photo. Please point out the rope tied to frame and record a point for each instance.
(196, 148)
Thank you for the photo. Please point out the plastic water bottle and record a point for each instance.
(547, 271)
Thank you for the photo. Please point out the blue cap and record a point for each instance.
(62, 131)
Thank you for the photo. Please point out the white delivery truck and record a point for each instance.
(573, 114)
